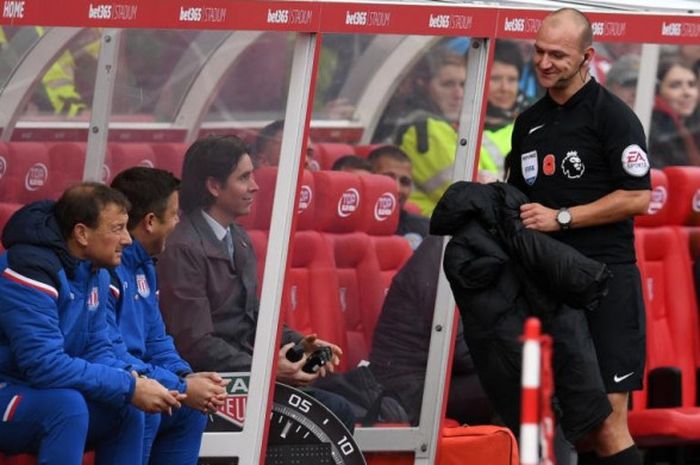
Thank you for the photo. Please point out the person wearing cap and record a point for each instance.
(621, 80)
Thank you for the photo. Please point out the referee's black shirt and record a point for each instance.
(573, 154)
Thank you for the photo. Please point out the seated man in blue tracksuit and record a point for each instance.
(138, 331)
(60, 383)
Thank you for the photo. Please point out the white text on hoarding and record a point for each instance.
(13, 9)
(521, 24)
(284, 16)
(450, 22)
(609, 28)
(680, 29)
(112, 11)
(367, 18)
(203, 15)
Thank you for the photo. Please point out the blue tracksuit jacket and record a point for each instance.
(136, 325)
(53, 329)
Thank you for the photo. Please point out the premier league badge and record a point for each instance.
(142, 286)
(528, 164)
(572, 165)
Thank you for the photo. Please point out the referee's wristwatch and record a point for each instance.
(564, 219)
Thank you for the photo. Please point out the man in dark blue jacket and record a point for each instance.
(138, 331)
(60, 383)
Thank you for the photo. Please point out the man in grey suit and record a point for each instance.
(208, 275)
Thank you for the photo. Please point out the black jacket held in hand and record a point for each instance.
(490, 243)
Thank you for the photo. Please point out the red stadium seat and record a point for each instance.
(338, 202)
(684, 206)
(363, 150)
(665, 411)
(67, 161)
(128, 154)
(684, 195)
(25, 172)
(169, 156)
(381, 204)
(6, 211)
(311, 302)
(382, 218)
(306, 208)
(67, 164)
(326, 153)
(658, 211)
(342, 215)
(360, 291)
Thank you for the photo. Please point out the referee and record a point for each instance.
(580, 155)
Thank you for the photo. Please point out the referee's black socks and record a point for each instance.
(629, 456)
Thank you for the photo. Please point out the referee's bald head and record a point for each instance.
(571, 16)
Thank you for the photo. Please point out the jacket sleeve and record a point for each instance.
(513, 160)
(168, 379)
(462, 362)
(160, 349)
(128, 361)
(186, 310)
(31, 317)
(562, 271)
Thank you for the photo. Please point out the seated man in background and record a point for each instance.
(399, 353)
(621, 80)
(268, 147)
(61, 387)
(352, 164)
(391, 161)
(208, 275)
(138, 331)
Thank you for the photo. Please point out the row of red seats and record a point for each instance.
(666, 412)
(33, 170)
(344, 254)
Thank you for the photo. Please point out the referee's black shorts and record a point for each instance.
(618, 329)
(580, 397)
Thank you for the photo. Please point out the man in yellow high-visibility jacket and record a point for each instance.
(59, 79)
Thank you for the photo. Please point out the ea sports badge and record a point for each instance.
(528, 165)
(635, 161)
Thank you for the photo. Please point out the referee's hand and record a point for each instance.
(538, 217)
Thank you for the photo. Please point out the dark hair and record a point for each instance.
(266, 134)
(665, 65)
(351, 162)
(441, 56)
(148, 190)
(212, 157)
(83, 203)
(390, 151)
(583, 21)
(508, 53)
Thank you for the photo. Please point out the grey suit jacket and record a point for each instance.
(209, 304)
